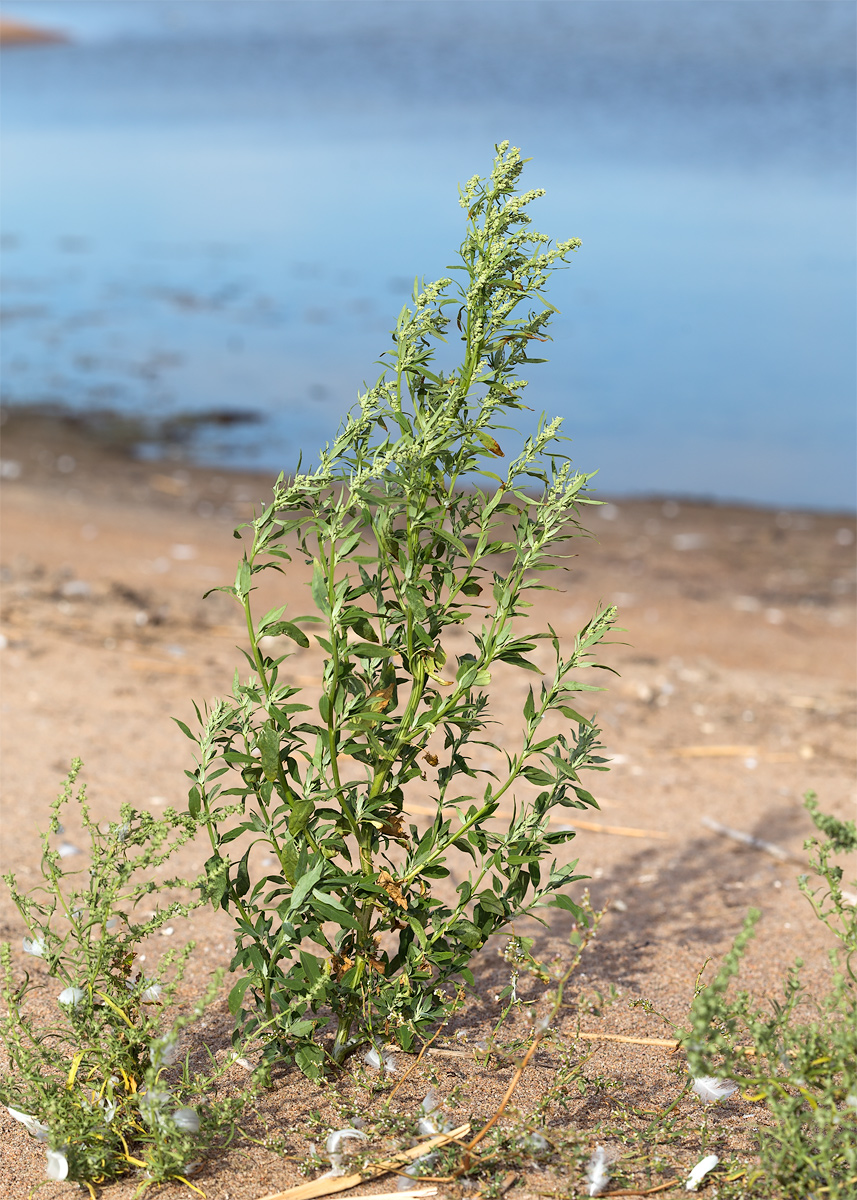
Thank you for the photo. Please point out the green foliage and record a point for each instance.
(409, 532)
(800, 1055)
(95, 1082)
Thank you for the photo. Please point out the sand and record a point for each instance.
(19, 33)
(735, 694)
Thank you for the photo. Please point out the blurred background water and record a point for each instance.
(221, 207)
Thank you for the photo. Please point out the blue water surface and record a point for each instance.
(222, 206)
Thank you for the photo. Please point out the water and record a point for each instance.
(222, 206)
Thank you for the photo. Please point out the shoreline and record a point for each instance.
(37, 442)
(21, 33)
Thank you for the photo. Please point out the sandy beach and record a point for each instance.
(735, 694)
(19, 33)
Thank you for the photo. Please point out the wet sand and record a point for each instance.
(735, 694)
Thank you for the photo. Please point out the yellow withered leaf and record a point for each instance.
(388, 883)
(489, 443)
(380, 698)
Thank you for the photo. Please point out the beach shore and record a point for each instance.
(735, 694)
(19, 33)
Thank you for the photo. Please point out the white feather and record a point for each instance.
(597, 1175)
(31, 1124)
(710, 1089)
(57, 1166)
(71, 997)
(335, 1154)
(334, 1138)
(187, 1120)
(700, 1171)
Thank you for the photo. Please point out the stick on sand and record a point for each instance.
(329, 1186)
(747, 839)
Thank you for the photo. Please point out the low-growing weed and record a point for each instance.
(799, 1055)
(100, 1080)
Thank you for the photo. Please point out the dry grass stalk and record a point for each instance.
(516, 1079)
(716, 752)
(423, 810)
(672, 1043)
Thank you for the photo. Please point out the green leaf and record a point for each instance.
(194, 802)
(572, 715)
(490, 904)
(268, 741)
(568, 905)
(468, 933)
(217, 878)
(319, 588)
(329, 908)
(310, 1059)
(290, 630)
(242, 580)
(289, 859)
(311, 966)
(306, 883)
(299, 817)
(416, 602)
(360, 622)
(232, 834)
(241, 885)
(369, 650)
(537, 776)
(516, 660)
(236, 996)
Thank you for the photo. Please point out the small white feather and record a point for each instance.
(57, 1165)
(334, 1138)
(31, 1124)
(710, 1089)
(597, 1175)
(700, 1171)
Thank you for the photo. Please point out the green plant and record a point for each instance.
(96, 1080)
(405, 544)
(799, 1056)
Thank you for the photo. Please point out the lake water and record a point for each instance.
(222, 206)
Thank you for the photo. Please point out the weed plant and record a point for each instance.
(409, 531)
(102, 1083)
(799, 1056)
